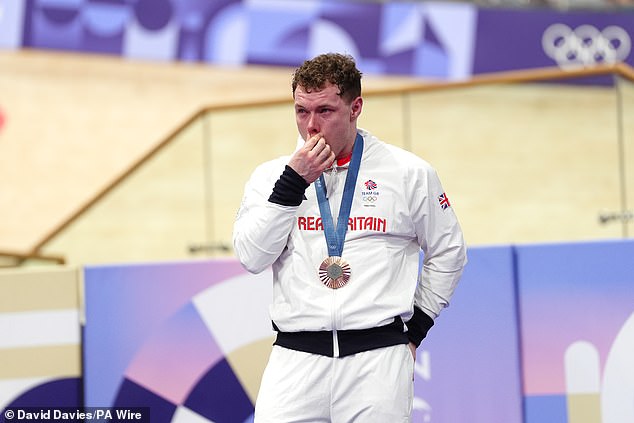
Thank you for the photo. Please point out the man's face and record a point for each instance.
(324, 111)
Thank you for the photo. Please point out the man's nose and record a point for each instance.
(313, 125)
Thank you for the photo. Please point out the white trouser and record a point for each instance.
(370, 387)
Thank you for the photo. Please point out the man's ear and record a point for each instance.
(356, 107)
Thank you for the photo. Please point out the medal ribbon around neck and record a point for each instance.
(334, 272)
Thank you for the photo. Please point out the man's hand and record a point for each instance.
(312, 158)
(412, 348)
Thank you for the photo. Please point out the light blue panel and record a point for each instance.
(546, 408)
(227, 36)
(11, 23)
(473, 347)
(431, 61)
(401, 27)
(279, 30)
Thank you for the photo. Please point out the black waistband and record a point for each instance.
(350, 341)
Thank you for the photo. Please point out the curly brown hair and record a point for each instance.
(338, 69)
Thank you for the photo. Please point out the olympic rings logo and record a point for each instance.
(585, 45)
(370, 198)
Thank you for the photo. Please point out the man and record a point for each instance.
(349, 306)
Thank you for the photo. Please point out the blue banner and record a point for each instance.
(444, 40)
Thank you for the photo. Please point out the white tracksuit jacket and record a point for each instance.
(397, 210)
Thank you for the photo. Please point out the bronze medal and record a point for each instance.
(334, 272)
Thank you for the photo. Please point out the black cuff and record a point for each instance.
(289, 189)
(418, 326)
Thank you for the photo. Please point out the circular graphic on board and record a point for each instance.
(203, 364)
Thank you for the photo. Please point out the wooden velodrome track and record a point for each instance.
(74, 123)
(522, 162)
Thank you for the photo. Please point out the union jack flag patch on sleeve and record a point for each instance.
(444, 201)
